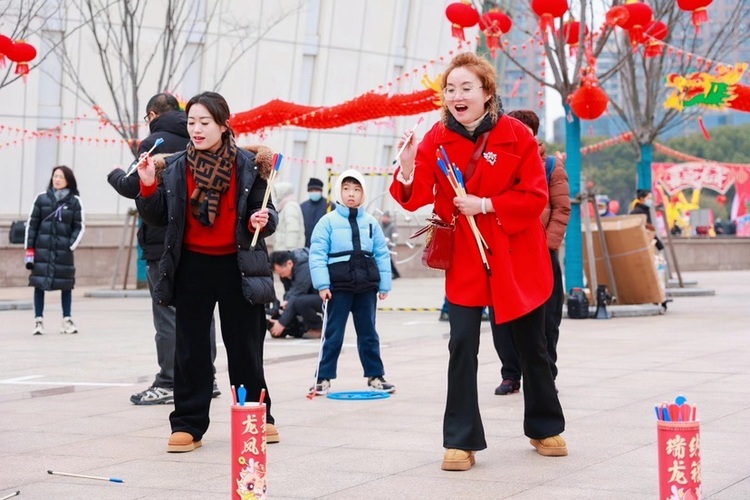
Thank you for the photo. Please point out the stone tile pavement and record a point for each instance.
(64, 406)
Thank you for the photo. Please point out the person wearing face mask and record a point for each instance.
(210, 199)
(643, 204)
(53, 231)
(507, 192)
(314, 207)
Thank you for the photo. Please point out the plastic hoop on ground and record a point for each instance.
(358, 395)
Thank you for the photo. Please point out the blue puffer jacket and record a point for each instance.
(332, 247)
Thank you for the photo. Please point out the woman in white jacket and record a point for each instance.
(290, 232)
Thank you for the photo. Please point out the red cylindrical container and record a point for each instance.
(679, 459)
(249, 451)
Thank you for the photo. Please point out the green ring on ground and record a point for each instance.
(358, 395)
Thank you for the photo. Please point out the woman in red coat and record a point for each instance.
(506, 195)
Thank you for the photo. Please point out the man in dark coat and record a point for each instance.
(300, 297)
(314, 208)
(168, 122)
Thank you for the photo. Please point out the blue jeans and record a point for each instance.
(362, 306)
(66, 298)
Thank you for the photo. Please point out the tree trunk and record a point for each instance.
(573, 241)
(644, 166)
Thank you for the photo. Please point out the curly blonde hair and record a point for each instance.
(486, 73)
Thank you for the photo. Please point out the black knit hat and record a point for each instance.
(314, 184)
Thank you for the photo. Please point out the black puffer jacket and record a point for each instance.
(168, 207)
(172, 127)
(54, 230)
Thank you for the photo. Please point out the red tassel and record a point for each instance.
(546, 21)
(493, 43)
(702, 125)
(458, 31)
(516, 86)
(700, 16)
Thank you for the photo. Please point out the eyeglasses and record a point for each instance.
(147, 118)
(451, 93)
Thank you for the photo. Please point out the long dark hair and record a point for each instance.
(216, 105)
(70, 178)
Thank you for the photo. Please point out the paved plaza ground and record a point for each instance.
(64, 406)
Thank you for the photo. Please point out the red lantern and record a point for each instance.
(617, 15)
(22, 53)
(589, 102)
(548, 10)
(461, 15)
(493, 24)
(639, 16)
(721, 199)
(698, 8)
(5, 45)
(657, 32)
(572, 33)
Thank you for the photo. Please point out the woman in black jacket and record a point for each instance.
(54, 230)
(210, 199)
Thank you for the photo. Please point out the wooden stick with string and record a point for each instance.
(277, 163)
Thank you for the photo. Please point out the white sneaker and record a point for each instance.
(38, 326)
(68, 326)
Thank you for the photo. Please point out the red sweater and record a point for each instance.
(219, 239)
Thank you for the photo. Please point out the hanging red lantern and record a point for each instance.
(493, 24)
(548, 11)
(698, 8)
(22, 54)
(572, 33)
(5, 45)
(656, 33)
(589, 102)
(616, 16)
(461, 15)
(639, 16)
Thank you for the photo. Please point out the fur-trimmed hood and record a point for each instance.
(263, 158)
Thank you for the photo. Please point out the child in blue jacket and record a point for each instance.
(351, 267)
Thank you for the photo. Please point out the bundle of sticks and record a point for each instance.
(457, 183)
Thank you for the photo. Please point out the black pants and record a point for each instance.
(310, 307)
(462, 424)
(200, 282)
(503, 339)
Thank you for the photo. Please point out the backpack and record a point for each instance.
(549, 166)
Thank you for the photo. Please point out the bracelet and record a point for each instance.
(484, 206)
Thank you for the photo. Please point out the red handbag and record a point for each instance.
(438, 245)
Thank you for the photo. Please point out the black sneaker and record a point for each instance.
(443, 316)
(379, 384)
(215, 393)
(153, 396)
(508, 386)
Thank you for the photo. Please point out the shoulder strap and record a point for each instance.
(549, 166)
(478, 150)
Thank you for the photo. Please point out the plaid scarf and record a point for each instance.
(213, 174)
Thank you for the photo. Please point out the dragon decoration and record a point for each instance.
(718, 91)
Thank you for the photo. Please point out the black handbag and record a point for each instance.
(17, 233)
